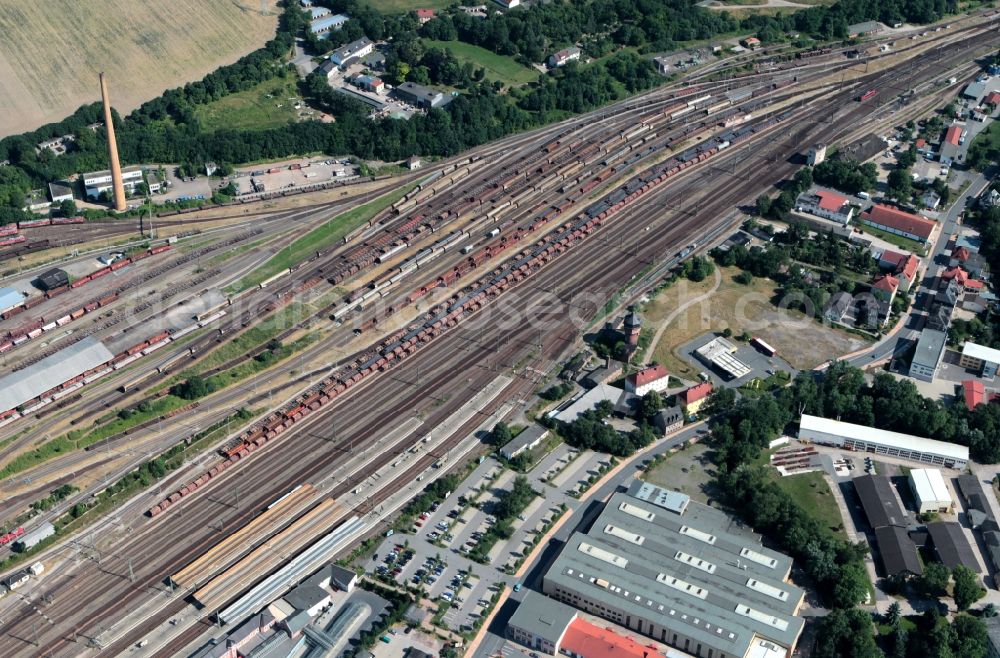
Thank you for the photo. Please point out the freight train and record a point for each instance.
(404, 342)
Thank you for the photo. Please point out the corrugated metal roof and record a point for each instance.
(23, 385)
(9, 297)
(929, 486)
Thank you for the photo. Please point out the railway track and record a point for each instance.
(590, 266)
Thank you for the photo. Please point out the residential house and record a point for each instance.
(970, 261)
(564, 56)
(370, 83)
(694, 398)
(653, 378)
(751, 42)
(669, 419)
(352, 51)
(974, 393)
(828, 205)
(424, 15)
(840, 302)
(951, 144)
(931, 200)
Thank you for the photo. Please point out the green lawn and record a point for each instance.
(498, 67)
(319, 238)
(252, 109)
(990, 138)
(813, 494)
(892, 238)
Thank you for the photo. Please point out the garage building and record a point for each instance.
(930, 491)
(882, 442)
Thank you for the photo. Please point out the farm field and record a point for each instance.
(51, 52)
(802, 342)
(268, 105)
(498, 67)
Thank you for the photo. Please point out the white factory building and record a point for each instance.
(930, 491)
(882, 442)
(96, 182)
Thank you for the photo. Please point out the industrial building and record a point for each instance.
(589, 400)
(828, 205)
(9, 298)
(930, 491)
(682, 573)
(897, 222)
(97, 182)
(882, 442)
(60, 191)
(927, 357)
(540, 623)
(720, 353)
(421, 96)
(951, 547)
(52, 279)
(28, 383)
(352, 51)
(654, 378)
(885, 514)
(529, 437)
(980, 359)
(370, 83)
(35, 537)
(323, 23)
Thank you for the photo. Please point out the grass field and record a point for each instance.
(813, 494)
(253, 109)
(51, 52)
(498, 67)
(802, 342)
(319, 238)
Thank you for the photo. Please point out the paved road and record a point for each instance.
(937, 258)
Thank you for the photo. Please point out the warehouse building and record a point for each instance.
(682, 573)
(927, 357)
(882, 442)
(52, 279)
(951, 143)
(60, 191)
(863, 29)
(983, 360)
(879, 501)
(529, 437)
(951, 546)
(897, 551)
(930, 491)
(35, 537)
(421, 96)
(9, 298)
(42, 376)
(721, 354)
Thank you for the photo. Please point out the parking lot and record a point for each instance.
(436, 556)
(761, 366)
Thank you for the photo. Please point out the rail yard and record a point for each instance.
(487, 265)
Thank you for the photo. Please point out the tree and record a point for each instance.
(651, 403)
(846, 634)
(934, 581)
(763, 205)
(989, 610)
(892, 615)
(900, 183)
(969, 637)
(500, 435)
(67, 208)
(967, 589)
(193, 388)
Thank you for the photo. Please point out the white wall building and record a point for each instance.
(930, 491)
(96, 182)
(882, 442)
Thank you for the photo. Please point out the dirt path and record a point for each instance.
(680, 309)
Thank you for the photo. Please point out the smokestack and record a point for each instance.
(118, 189)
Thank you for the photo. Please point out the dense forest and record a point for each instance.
(166, 129)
